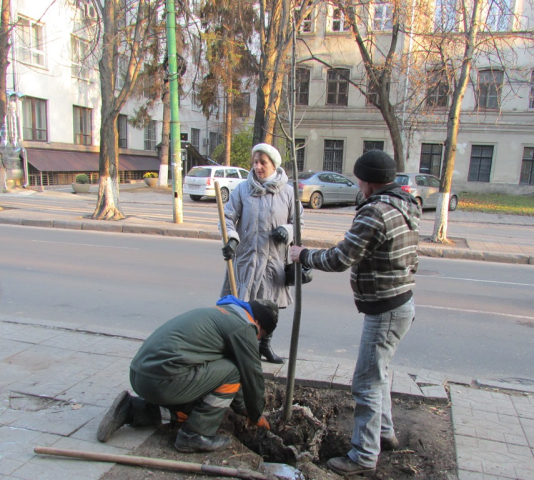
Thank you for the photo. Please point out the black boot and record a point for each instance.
(267, 351)
(190, 442)
(119, 414)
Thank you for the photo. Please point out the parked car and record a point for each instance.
(321, 188)
(200, 181)
(425, 189)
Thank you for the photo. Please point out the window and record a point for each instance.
(382, 16)
(430, 161)
(489, 88)
(122, 69)
(242, 105)
(446, 11)
(527, 167)
(79, 53)
(437, 94)
(337, 87)
(531, 97)
(195, 138)
(333, 155)
(215, 141)
(122, 128)
(31, 48)
(34, 119)
(372, 145)
(306, 25)
(150, 135)
(303, 86)
(480, 164)
(336, 20)
(83, 126)
(500, 16)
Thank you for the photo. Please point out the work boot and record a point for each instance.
(387, 444)
(345, 466)
(189, 442)
(267, 351)
(119, 414)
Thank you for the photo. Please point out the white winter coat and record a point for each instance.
(253, 211)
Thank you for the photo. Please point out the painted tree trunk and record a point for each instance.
(228, 127)
(163, 179)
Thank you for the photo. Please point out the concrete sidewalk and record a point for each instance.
(57, 380)
(59, 208)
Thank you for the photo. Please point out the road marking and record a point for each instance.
(465, 310)
(483, 281)
(86, 245)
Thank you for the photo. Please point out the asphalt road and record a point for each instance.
(473, 318)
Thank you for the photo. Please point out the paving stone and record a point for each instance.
(528, 429)
(482, 400)
(505, 385)
(311, 374)
(524, 406)
(270, 370)
(496, 458)
(427, 377)
(404, 386)
(342, 379)
(435, 393)
(96, 344)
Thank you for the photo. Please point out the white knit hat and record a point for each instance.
(270, 151)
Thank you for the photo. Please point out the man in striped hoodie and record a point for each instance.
(380, 249)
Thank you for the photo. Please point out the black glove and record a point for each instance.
(229, 249)
(280, 235)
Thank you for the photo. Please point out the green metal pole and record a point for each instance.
(176, 144)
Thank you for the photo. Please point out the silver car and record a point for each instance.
(200, 181)
(321, 188)
(425, 189)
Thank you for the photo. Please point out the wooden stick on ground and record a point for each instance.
(230, 263)
(174, 465)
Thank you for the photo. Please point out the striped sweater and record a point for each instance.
(380, 248)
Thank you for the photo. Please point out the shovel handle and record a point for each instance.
(229, 263)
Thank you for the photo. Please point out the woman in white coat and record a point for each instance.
(259, 221)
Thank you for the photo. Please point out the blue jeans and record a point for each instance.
(370, 384)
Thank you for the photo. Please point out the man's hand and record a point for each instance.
(229, 249)
(294, 253)
(280, 235)
(261, 423)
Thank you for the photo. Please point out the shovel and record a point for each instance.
(230, 263)
(274, 471)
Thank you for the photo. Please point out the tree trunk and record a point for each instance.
(259, 117)
(439, 234)
(107, 207)
(228, 126)
(165, 135)
(5, 31)
(392, 123)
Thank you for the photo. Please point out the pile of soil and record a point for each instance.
(320, 428)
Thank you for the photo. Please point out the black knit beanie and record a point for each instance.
(375, 166)
(266, 314)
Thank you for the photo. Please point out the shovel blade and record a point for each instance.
(283, 471)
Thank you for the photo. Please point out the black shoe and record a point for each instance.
(345, 466)
(267, 351)
(388, 444)
(193, 442)
(119, 414)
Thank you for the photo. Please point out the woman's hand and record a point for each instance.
(294, 252)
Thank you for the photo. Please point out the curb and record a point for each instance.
(115, 227)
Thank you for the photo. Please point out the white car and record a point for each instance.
(200, 181)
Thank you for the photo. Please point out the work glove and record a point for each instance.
(229, 249)
(261, 423)
(280, 235)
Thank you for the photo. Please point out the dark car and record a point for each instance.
(320, 188)
(425, 189)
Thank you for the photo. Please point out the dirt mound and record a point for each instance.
(320, 428)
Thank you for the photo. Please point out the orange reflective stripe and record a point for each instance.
(182, 417)
(228, 388)
(222, 310)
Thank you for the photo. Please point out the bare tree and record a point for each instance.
(126, 34)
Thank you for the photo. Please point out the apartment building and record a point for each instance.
(337, 123)
(54, 84)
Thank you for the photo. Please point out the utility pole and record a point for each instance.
(176, 143)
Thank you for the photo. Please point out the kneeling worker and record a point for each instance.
(196, 365)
